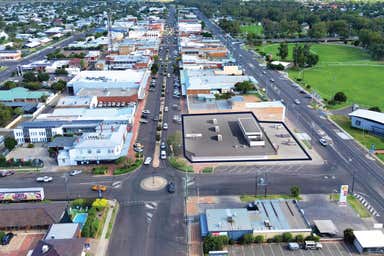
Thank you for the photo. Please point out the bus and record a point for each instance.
(21, 194)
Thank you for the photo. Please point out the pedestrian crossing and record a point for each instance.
(247, 169)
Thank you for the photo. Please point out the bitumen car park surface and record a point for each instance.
(338, 248)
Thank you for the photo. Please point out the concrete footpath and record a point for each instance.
(103, 241)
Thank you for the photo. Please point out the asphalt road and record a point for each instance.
(349, 158)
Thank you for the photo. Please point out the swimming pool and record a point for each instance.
(80, 218)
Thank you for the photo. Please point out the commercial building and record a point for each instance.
(116, 79)
(132, 61)
(189, 26)
(10, 55)
(22, 94)
(63, 231)
(369, 241)
(271, 218)
(77, 102)
(368, 120)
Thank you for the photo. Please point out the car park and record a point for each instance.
(148, 160)
(98, 187)
(7, 238)
(171, 187)
(75, 172)
(44, 179)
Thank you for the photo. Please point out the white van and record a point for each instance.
(312, 245)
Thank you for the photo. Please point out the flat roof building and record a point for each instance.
(22, 94)
(368, 120)
(63, 231)
(369, 241)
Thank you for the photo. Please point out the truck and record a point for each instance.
(21, 194)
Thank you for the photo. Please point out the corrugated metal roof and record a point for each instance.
(369, 115)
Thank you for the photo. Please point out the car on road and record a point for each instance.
(272, 80)
(323, 142)
(155, 118)
(75, 172)
(138, 147)
(143, 121)
(146, 111)
(98, 187)
(163, 154)
(297, 102)
(7, 238)
(165, 126)
(44, 179)
(166, 109)
(171, 187)
(5, 173)
(163, 145)
(148, 160)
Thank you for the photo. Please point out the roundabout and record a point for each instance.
(153, 183)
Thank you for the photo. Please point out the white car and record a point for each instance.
(146, 111)
(165, 126)
(44, 179)
(148, 160)
(75, 172)
(323, 142)
(165, 109)
(163, 155)
(297, 102)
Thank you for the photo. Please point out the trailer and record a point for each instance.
(21, 194)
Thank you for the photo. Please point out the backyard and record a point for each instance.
(340, 68)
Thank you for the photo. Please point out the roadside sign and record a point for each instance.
(343, 195)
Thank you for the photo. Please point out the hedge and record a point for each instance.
(99, 170)
(128, 168)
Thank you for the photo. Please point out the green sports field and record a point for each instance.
(341, 68)
(252, 28)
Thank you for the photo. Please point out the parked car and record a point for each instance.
(143, 121)
(5, 173)
(146, 111)
(163, 145)
(99, 188)
(163, 155)
(44, 179)
(75, 172)
(165, 109)
(165, 126)
(7, 238)
(138, 147)
(171, 188)
(323, 142)
(293, 246)
(252, 206)
(148, 160)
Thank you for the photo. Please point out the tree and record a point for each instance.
(18, 111)
(9, 85)
(213, 243)
(375, 108)
(295, 191)
(318, 30)
(244, 86)
(61, 71)
(154, 68)
(29, 77)
(278, 238)
(33, 85)
(247, 239)
(42, 76)
(340, 97)
(10, 143)
(299, 238)
(287, 237)
(259, 239)
(283, 51)
(59, 86)
(6, 114)
(349, 237)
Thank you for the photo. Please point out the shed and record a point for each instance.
(326, 227)
(371, 241)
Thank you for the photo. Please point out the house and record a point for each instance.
(369, 241)
(60, 247)
(22, 94)
(368, 120)
(10, 55)
(24, 216)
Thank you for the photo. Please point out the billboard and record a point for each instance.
(343, 195)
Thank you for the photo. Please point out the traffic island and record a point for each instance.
(153, 183)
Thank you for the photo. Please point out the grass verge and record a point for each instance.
(128, 168)
(112, 221)
(207, 170)
(180, 164)
(354, 203)
(250, 198)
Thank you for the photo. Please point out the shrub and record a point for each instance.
(295, 191)
(278, 238)
(247, 239)
(100, 204)
(312, 238)
(10, 143)
(208, 170)
(349, 237)
(2, 234)
(82, 202)
(340, 97)
(99, 170)
(299, 238)
(259, 239)
(213, 243)
(30, 145)
(128, 168)
(287, 237)
(231, 242)
(120, 160)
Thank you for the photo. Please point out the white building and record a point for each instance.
(369, 241)
(127, 79)
(189, 27)
(368, 120)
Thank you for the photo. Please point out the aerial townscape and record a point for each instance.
(191, 127)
